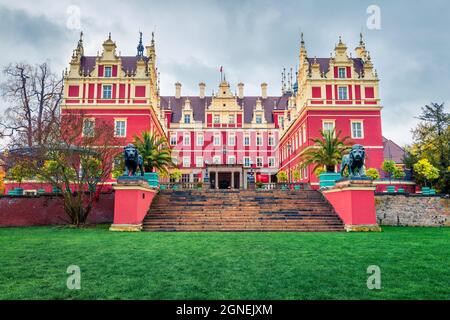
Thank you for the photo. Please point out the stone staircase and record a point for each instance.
(241, 210)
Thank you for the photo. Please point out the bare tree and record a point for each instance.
(33, 95)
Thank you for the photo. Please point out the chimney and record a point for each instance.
(202, 87)
(241, 90)
(177, 90)
(264, 90)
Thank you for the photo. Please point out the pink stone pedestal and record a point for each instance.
(131, 203)
(354, 202)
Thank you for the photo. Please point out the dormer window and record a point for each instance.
(187, 118)
(216, 119)
(258, 119)
(342, 73)
(231, 119)
(108, 72)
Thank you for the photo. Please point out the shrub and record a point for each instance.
(373, 173)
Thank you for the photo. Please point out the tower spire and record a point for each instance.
(140, 47)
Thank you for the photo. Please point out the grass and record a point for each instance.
(414, 262)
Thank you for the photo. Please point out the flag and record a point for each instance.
(221, 69)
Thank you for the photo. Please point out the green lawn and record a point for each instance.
(414, 262)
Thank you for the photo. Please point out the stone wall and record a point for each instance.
(48, 210)
(412, 210)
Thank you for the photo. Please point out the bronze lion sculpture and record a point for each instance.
(354, 161)
(133, 161)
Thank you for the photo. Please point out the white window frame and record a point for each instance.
(229, 160)
(231, 139)
(304, 133)
(245, 160)
(271, 159)
(199, 162)
(187, 142)
(341, 90)
(173, 135)
(246, 136)
(218, 142)
(258, 119)
(216, 119)
(116, 121)
(361, 129)
(202, 136)
(262, 162)
(189, 117)
(231, 119)
(186, 161)
(344, 75)
(110, 91)
(271, 140)
(324, 122)
(217, 160)
(259, 139)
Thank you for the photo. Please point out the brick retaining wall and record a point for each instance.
(412, 210)
(48, 210)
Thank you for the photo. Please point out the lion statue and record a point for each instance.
(133, 161)
(354, 161)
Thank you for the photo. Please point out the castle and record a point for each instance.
(231, 134)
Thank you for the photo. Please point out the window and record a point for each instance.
(216, 119)
(271, 140)
(187, 118)
(246, 140)
(186, 162)
(271, 162)
(259, 161)
(217, 139)
(258, 119)
(120, 127)
(200, 139)
(246, 162)
(259, 139)
(342, 93)
(341, 73)
(231, 119)
(199, 161)
(216, 159)
(88, 127)
(173, 139)
(231, 139)
(328, 126)
(304, 133)
(185, 178)
(281, 121)
(175, 160)
(108, 72)
(107, 92)
(357, 130)
(231, 160)
(187, 139)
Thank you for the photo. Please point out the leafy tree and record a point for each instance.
(176, 175)
(154, 151)
(19, 173)
(426, 171)
(389, 168)
(327, 151)
(297, 174)
(282, 176)
(2, 181)
(373, 173)
(431, 140)
(398, 173)
(76, 165)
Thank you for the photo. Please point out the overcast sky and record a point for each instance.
(252, 39)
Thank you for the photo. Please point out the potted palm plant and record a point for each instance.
(156, 154)
(327, 152)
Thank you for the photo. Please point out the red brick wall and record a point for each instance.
(48, 210)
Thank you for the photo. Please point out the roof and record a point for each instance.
(325, 64)
(199, 105)
(393, 151)
(87, 63)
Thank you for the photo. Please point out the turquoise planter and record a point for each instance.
(152, 179)
(328, 179)
(296, 188)
(56, 190)
(426, 191)
(401, 190)
(391, 189)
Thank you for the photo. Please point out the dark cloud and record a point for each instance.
(253, 40)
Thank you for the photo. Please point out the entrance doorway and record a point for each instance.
(224, 180)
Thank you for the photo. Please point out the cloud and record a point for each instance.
(252, 39)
